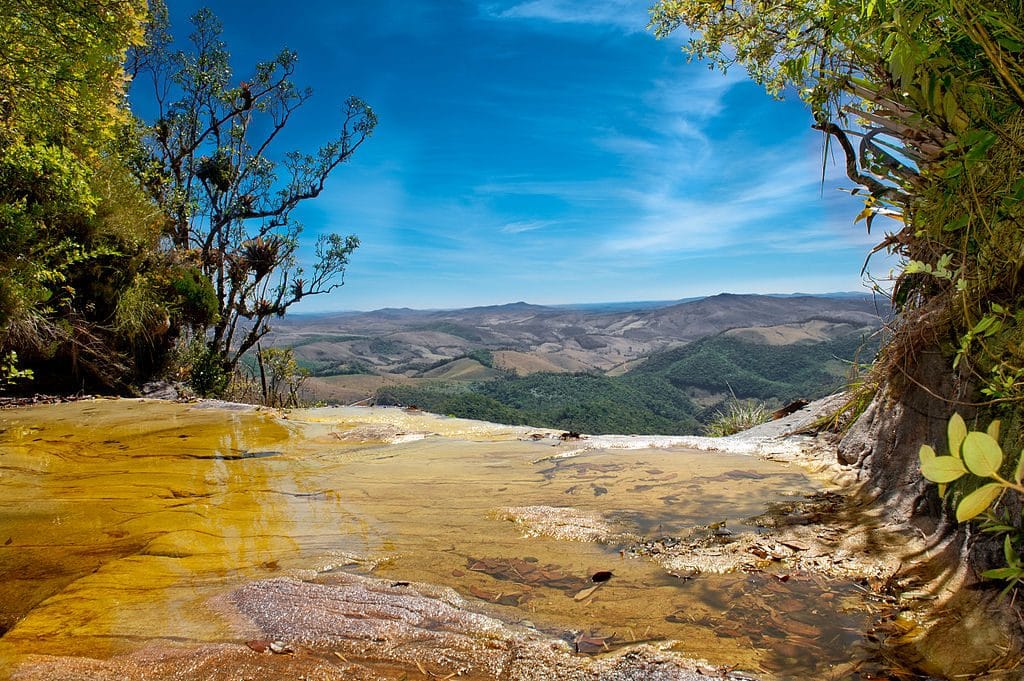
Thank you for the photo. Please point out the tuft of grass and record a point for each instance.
(739, 415)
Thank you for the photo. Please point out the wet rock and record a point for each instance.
(361, 629)
(430, 629)
(225, 405)
(165, 661)
(159, 390)
(376, 432)
(559, 523)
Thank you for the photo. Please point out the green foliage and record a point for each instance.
(595, 404)
(139, 310)
(933, 90)
(385, 347)
(738, 416)
(281, 377)
(482, 355)
(977, 458)
(9, 371)
(782, 373)
(204, 369)
(81, 272)
(61, 70)
(451, 400)
(349, 369)
(195, 296)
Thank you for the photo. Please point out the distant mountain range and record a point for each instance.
(616, 306)
(354, 354)
(588, 338)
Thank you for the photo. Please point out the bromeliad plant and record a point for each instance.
(979, 454)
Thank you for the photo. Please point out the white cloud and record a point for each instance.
(674, 141)
(521, 226)
(700, 95)
(756, 204)
(628, 15)
(627, 145)
(669, 225)
(568, 191)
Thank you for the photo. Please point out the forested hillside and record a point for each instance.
(675, 392)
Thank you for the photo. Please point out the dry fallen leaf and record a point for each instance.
(259, 645)
(481, 593)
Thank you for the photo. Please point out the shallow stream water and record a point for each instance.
(120, 521)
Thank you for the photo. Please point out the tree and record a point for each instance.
(924, 99)
(74, 228)
(62, 69)
(281, 377)
(229, 201)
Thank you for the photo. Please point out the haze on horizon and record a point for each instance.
(552, 153)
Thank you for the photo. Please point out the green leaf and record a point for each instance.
(926, 453)
(978, 501)
(956, 431)
(1019, 474)
(982, 454)
(980, 149)
(943, 469)
(1018, 190)
(957, 224)
(1012, 559)
(917, 267)
(983, 324)
(993, 430)
(1002, 573)
(950, 106)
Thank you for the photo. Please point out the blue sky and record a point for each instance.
(549, 151)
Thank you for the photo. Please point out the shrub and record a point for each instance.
(738, 416)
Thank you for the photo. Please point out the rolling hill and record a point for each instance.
(643, 368)
(529, 338)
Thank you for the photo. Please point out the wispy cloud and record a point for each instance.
(668, 225)
(700, 95)
(673, 137)
(628, 15)
(568, 191)
(521, 226)
(773, 206)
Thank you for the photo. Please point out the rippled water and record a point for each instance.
(120, 520)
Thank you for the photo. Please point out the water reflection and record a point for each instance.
(121, 520)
